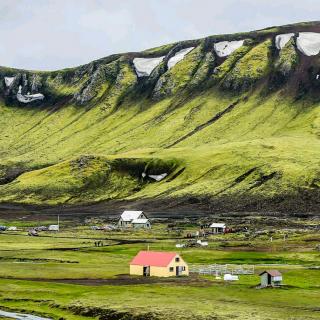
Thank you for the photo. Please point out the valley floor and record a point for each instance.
(64, 275)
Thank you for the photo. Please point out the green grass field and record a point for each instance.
(43, 275)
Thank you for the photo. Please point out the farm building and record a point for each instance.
(141, 223)
(158, 264)
(218, 228)
(134, 219)
(270, 278)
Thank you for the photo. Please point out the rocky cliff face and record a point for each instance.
(219, 95)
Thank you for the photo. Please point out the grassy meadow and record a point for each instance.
(64, 275)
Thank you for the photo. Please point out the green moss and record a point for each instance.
(229, 63)
(179, 75)
(253, 66)
(85, 179)
(288, 59)
(203, 71)
(59, 85)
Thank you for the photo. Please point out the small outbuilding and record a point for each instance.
(134, 219)
(53, 227)
(158, 264)
(270, 278)
(141, 224)
(218, 228)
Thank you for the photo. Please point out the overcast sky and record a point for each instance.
(53, 34)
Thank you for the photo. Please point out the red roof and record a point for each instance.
(153, 258)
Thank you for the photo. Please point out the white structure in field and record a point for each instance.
(230, 277)
(202, 243)
(225, 48)
(53, 227)
(282, 39)
(144, 66)
(134, 219)
(178, 57)
(26, 98)
(309, 43)
(218, 227)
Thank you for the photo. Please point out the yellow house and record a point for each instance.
(158, 264)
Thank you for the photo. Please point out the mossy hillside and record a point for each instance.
(213, 158)
(287, 61)
(85, 179)
(122, 120)
(60, 84)
(179, 75)
(202, 73)
(109, 82)
(255, 65)
(226, 66)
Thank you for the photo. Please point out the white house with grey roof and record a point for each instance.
(134, 219)
(218, 227)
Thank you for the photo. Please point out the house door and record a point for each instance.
(146, 271)
(177, 271)
(269, 280)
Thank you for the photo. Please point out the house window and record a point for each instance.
(183, 268)
(177, 259)
(171, 269)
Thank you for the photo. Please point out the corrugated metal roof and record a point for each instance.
(218, 225)
(153, 258)
(273, 273)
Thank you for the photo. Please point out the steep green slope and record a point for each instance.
(236, 132)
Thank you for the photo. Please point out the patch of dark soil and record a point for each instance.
(305, 203)
(24, 300)
(10, 173)
(245, 175)
(109, 314)
(178, 173)
(125, 280)
(36, 260)
(237, 181)
(263, 179)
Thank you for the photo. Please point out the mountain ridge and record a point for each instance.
(234, 124)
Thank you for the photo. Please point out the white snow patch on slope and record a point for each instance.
(8, 81)
(309, 43)
(225, 48)
(144, 66)
(178, 57)
(158, 177)
(283, 39)
(26, 98)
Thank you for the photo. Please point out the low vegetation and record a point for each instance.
(64, 275)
